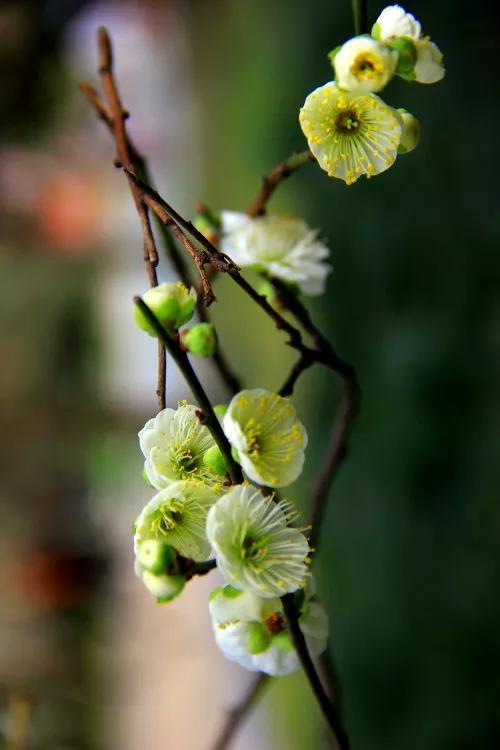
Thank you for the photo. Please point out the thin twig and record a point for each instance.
(237, 714)
(271, 180)
(112, 112)
(299, 641)
(207, 413)
(166, 230)
(360, 15)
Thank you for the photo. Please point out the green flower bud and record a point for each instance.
(407, 56)
(215, 461)
(201, 339)
(156, 557)
(410, 133)
(220, 409)
(283, 641)
(259, 638)
(230, 592)
(163, 587)
(172, 304)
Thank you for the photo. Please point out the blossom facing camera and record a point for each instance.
(200, 339)
(177, 516)
(174, 444)
(350, 135)
(281, 245)
(267, 435)
(173, 305)
(252, 631)
(394, 22)
(255, 547)
(410, 131)
(364, 65)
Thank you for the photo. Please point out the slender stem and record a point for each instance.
(271, 180)
(202, 568)
(240, 711)
(327, 707)
(184, 365)
(360, 16)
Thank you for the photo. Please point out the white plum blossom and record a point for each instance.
(350, 135)
(281, 245)
(176, 516)
(252, 631)
(255, 547)
(364, 65)
(429, 66)
(393, 22)
(267, 435)
(176, 445)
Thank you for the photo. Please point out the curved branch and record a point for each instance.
(274, 178)
(239, 712)
(181, 359)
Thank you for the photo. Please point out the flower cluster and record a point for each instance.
(350, 130)
(257, 548)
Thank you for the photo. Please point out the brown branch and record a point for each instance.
(166, 230)
(237, 714)
(271, 180)
(111, 112)
(325, 703)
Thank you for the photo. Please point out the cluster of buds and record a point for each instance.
(350, 130)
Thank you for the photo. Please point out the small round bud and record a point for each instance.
(410, 132)
(220, 409)
(200, 339)
(156, 557)
(259, 638)
(172, 304)
(407, 57)
(163, 587)
(283, 642)
(215, 461)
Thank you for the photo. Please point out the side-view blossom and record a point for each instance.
(429, 66)
(172, 303)
(175, 445)
(176, 516)
(281, 245)
(364, 65)
(268, 437)
(410, 135)
(350, 135)
(255, 548)
(397, 28)
(252, 631)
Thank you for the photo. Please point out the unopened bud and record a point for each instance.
(200, 339)
(163, 587)
(172, 304)
(215, 461)
(156, 557)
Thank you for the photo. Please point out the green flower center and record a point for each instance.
(253, 549)
(347, 122)
(167, 518)
(183, 462)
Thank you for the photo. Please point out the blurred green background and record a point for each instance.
(409, 562)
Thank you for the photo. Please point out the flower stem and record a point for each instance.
(324, 702)
(184, 365)
(271, 180)
(360, 14)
